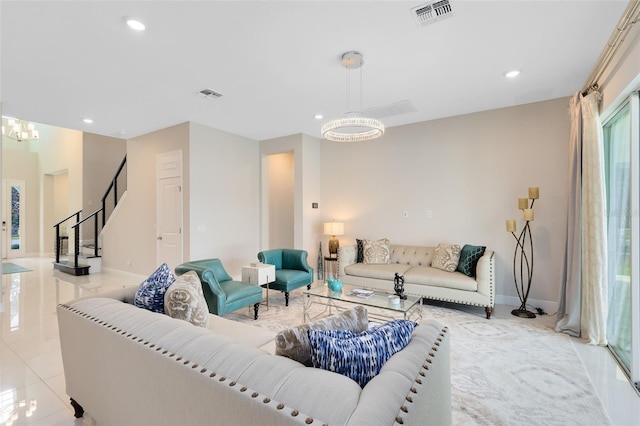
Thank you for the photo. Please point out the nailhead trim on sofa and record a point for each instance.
(212, 375)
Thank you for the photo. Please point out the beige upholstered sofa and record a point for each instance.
(126, 365)
(420, 279)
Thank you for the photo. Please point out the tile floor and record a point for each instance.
(32, 389)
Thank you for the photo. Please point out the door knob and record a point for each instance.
(159, 238)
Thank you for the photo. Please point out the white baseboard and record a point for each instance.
(548, 306)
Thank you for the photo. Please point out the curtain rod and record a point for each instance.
(629, 17)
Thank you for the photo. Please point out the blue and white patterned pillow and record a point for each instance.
(359, 356)
(150, 294)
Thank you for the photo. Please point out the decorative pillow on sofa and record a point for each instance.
(446, 257)
(359, 356)
(150, 294)
(359, 250)
(469, 256)
(184, 300)
(294, 342)
(377, 251)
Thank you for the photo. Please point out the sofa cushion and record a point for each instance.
(377, 251)
(359, 356)
(412, 255)
(150, 293)
(381, 272)
(426, 275)
(294, 342)
(446, 257)
(359, 250)
(469, 256)
(184, 300)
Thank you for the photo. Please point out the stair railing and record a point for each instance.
(76, 227)
(57, 226)
(76, 236)
(113, 185)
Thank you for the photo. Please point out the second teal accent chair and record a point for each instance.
(292, 269)
(223, 295)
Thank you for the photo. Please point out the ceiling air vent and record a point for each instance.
(209, 94)
(391, 110)
(428, 13)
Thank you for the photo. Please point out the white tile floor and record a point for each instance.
(32, 389)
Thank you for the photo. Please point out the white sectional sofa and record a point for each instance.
(129, 366)
(420, 279)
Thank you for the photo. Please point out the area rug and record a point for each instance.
(12, 268)
(504, 371)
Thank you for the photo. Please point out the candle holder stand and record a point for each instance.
(523, 254)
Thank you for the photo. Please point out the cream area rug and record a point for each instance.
(504, 371)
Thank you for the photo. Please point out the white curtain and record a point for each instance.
(583, 299)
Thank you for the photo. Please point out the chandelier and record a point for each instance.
(353, 127)
(20, 130)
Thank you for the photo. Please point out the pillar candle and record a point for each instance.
(534, 192)
(523, 203)
(528, 215)
(511, 225)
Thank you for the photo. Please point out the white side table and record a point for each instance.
(260, 274)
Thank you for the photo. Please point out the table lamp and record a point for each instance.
(333, 228)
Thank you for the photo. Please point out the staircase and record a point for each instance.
(86, 259)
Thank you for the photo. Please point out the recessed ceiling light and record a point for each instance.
(512, 73)
(135, 24)
(318, 116)
(87, 120)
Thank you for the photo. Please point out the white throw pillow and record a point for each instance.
(446, 257)
(184, 300)
(377, 251)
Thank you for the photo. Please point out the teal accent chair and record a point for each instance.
(292, 269)
(223, 295)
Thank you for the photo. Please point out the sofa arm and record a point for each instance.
(346, 257)
(206, 275)
(485, 275)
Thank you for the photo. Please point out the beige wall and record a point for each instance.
(280, 195)
(59, 150)
(312, 176)
(225, 197)
(129, 239)
(306, 221)
(102, 156)
(459, 180)
(23, 165)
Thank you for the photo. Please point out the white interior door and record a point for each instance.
(169, 208)
(13, 218)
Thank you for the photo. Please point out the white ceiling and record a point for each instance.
(277, 64)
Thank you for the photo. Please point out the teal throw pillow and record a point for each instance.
(469, 256)
(359, 356)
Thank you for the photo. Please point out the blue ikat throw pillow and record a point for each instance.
(150, 294)
(359, 356)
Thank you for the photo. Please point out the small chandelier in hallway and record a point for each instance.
(19, 130)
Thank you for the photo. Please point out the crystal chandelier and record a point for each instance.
(353, 127)
(20, 130)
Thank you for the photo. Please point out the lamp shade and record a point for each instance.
(334, 228)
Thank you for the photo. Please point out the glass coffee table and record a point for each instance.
(320, 294)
